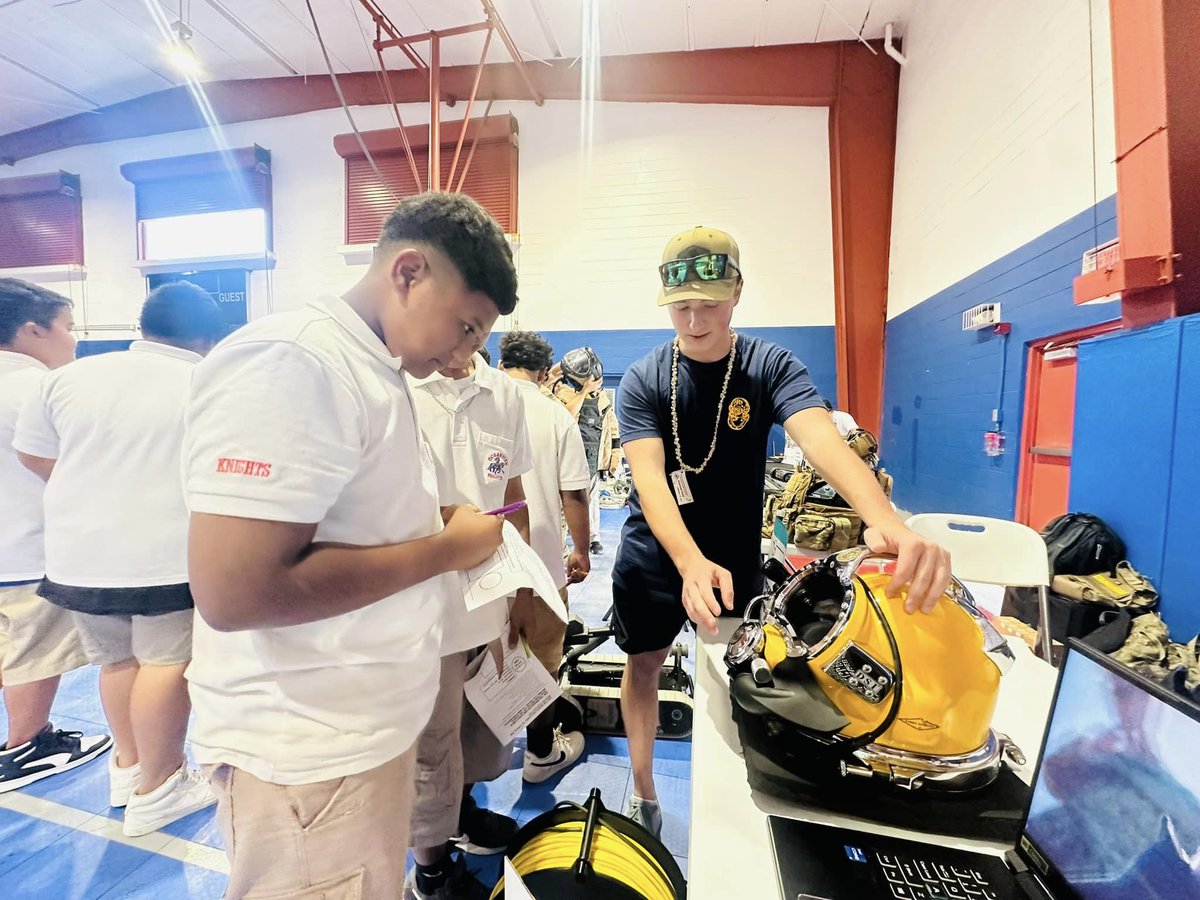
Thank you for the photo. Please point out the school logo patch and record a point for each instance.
(497, 465)
(739, 413)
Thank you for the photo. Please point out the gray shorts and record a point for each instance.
(163, 640)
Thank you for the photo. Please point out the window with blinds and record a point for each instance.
(203, 205)
(41, 221)
(491, 178)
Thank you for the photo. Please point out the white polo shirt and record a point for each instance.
(21, 554)
(475, 430)
(115, 514)
(559, 464)
(306, 417)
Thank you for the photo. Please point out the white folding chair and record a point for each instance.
(993, 551)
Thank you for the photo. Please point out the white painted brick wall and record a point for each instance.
(994, 144)
(591, 233)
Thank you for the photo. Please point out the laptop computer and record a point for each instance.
(1114, 814)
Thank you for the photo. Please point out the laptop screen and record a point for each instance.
(1116, 804)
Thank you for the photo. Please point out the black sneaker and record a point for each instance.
(457, 883)
(49, 753)
(481, 831)
(596, 547)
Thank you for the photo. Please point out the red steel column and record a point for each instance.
(1156, 98)
(862, 158)
(435, 112)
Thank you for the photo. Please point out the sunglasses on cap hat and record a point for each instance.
(708, 267)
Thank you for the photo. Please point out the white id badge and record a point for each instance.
(683, 493)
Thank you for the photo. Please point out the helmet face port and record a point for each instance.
(580, 366)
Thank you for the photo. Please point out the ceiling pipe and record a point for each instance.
(890, 48)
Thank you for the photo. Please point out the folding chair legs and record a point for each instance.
(1044, 622)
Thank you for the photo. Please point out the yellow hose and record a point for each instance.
(613, 855)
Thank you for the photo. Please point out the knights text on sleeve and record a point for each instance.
(271, 434)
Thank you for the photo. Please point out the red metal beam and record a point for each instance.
(435, 113)
(383, 23)
(518, 60)
(861, 90)
(387, 85)
(444, 33)
(780, 75)
(487, 42)
(1156, 98)
(862, 157)
(471, 154)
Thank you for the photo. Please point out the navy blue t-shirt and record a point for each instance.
(768, 385)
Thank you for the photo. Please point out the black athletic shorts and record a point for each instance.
(645, 621)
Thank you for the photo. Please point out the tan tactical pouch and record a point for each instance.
(1125, 587)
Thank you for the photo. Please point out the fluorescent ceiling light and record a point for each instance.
(179, 52)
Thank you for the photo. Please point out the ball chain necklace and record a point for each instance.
(712, 448)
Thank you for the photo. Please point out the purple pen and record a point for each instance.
(505, 510)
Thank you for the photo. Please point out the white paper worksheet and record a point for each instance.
(509, 702)
(515, 565)
(514, 887)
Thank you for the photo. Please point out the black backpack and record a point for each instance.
(1081, 544)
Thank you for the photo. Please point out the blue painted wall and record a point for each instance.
(620, 348)
(941, 383)
(1137, 429)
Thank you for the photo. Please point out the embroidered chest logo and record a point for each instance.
(497, 463)
(251, 467)
(739, 413)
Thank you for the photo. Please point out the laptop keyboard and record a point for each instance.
(917, 879)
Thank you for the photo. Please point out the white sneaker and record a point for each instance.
(180, 795)
(564, 753)
(646, 813)
(121, 782)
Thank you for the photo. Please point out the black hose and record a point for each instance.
(897, 689)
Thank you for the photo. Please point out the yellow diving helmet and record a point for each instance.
(830, 677)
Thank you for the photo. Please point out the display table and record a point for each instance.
(729, 854)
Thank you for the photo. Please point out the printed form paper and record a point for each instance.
(514, 887)
(513, 566)
(509, 702)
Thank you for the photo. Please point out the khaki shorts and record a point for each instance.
(547, 635)
(455, 749)
(164, 640)
(38, 640)
(341, 839)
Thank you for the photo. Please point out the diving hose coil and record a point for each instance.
(589, 851)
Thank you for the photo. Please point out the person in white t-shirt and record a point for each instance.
(38, 641)
(319, 560)
(557, 489)
(106, 433)
(473, 422)
(842, 421)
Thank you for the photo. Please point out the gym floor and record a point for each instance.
(59, 838)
